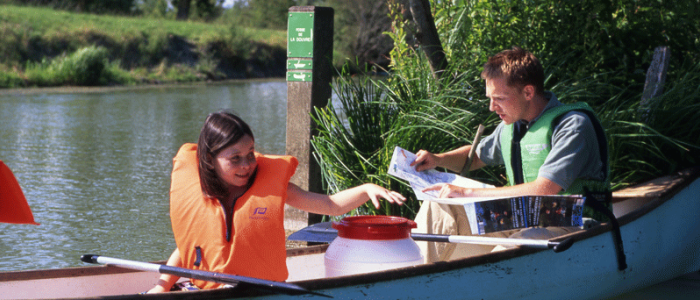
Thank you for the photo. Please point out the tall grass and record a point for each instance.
(356, 140)
(659, 139)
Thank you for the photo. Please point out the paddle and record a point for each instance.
(324, 233)
(266, 285)
(470, 156)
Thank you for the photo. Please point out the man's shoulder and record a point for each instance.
(575, 119)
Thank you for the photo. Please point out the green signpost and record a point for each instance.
(300, 46)
(300, 33)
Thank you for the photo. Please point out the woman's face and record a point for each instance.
(236, 163)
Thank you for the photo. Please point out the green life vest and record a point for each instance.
(536, 144)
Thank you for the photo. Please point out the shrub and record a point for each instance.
(84, 67)
(10, 79)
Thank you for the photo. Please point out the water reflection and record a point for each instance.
(95, 166)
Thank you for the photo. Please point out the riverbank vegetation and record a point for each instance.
(165, 41)
(46, 47)
(593, 51)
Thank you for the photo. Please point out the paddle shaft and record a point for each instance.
(472, 151)
(268, 285)
(324, 233)
(557, 246)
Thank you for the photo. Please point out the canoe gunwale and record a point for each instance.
(65, 272)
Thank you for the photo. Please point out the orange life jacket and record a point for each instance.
(256, 247)
(13, 206)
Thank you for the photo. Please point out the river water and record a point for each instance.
(94, 164)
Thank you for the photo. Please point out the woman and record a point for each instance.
(227, 204)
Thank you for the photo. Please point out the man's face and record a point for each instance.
(508, 102)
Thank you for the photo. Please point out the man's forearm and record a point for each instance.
(455, 159)
(541, 186)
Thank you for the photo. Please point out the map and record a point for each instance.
(400, 167)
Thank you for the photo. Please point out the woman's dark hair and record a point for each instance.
(221, 130)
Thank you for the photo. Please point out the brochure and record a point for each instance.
(488, 214)
(522, 212)
(400, 166)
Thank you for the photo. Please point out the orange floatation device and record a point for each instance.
(13, 206)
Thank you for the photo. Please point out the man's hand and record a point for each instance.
(449, 191)
(424, 161)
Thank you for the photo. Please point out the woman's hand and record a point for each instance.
(375, 192)
(157, 289)
(166, 281)
(340, 202)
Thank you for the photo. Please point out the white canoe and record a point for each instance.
(659, 229)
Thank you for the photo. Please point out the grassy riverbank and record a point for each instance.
(45, 47)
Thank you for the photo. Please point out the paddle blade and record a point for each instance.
(316, 233)
(563, 245)
(13, 206)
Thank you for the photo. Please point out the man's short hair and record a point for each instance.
(518, 66)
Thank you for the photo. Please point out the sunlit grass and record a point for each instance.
(49, 21)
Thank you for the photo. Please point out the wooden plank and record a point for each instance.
(654, 83)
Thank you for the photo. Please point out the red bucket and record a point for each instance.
(374, 227)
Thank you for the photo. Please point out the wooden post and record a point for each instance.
(654, 84)
(309, 73)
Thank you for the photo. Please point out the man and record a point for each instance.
(547, 147)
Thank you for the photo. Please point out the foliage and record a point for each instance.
(609, 38)
(356, 140)
(269, 14)
(647, 142)
(593, 51)
(10, 79)
(154, 9)
(201, 10)
(84, 67)
(90, 6)
(32, 36)
(359, 34)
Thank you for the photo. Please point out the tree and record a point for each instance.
(183, 8)
(203, 9)
(360, 27)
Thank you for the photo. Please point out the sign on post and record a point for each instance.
(300, 31)
(300, 46)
